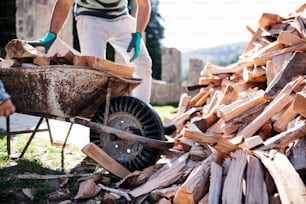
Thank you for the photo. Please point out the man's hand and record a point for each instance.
(7, 108)
(135, 43)
(46, 41)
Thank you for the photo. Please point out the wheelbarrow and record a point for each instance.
(126, 128)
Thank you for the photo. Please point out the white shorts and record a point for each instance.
(94, 33)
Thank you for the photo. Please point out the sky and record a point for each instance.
(195, 24)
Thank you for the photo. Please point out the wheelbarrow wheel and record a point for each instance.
(132, 115)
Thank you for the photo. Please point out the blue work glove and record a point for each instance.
(46, 41)
(135, 43)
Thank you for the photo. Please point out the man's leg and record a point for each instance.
(120, 40)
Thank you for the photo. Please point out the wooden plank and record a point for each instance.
(256, 190)
(196, 185)
(289, 184)
(234, 178)
(164, 177)
(102, 158)
(268, 19)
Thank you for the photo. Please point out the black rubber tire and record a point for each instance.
(129, 114)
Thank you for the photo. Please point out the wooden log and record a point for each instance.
(41, 60)
(289, 39)
(260, 60)
(295, 67)
(234, 178)
(232, 110)
(297, 155)
(289, 114)
(299, 103)
(256, 190)
(282, 99)
(249, 75)
(105, 65)
(164, 177)
(102, 158)
(283, 139)
(196, 185)
(215, 183)
(199, 152)
(216, 141)
(21, 49)
(252, 142)
(269, 19)
(233, 125)
(167, 192)
(289, 184)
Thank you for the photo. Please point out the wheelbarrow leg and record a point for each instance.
(8, 137)
(31, 137)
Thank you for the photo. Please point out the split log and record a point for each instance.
(87, 189)
(260, 60)
(256, 190)
(102, 158)
(289, 114)
(282, 99)
(297, 155)
(218, 142)
(295, 67)
(164, 177)
(215, 183)
(196, 185)
(21, 49)
(232, 110)
(289, 184)
(234, 178)
(105, 65)
(167, 192)
(299, 103)
(283, 139)
(240, 121)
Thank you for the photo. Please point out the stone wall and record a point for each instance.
(169, 89)
(33, 19)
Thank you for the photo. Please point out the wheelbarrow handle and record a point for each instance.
(99, 128)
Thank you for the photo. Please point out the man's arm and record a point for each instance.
(60, 14)
(142, 15)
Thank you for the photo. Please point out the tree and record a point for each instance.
(154, 34)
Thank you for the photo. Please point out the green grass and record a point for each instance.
(165, 110)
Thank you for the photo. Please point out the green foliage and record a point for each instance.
(154, 33)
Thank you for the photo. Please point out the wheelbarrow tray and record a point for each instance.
(62, 90)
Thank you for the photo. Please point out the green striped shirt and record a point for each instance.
(108, 9)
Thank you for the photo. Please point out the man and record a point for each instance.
(6, 106)
(102, 21)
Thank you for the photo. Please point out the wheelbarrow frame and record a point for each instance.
(48, 97)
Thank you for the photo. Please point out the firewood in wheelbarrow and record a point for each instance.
(20, 49)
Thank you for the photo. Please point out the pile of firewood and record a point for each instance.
(240, 138)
